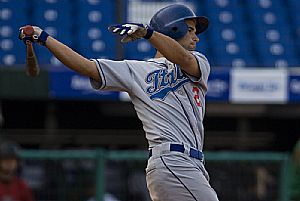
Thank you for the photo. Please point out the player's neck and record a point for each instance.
(158, 55)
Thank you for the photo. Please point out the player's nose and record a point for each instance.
(196, 38)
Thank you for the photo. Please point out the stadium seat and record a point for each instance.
(13, 15)
(55, 17)
(228, 34)
(202, 46)
(241, 34)
(93, 40)
(139, 50)
(294, 18)
(273, 40)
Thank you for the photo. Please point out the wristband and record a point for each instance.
(43, 37)
(149, 32)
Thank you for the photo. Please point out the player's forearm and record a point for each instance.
(72, 59)
(171, 49)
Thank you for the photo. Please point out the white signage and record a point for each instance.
(258, 85)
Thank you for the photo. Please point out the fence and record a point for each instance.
(99, 175)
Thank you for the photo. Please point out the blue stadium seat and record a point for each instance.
(202, 45)
(96, 13)
(228, 34)
(241, 33)
(232, 54)
(221, 4)
(55, 17)
(294, 14)
(63, 4)
(13, 15)
(12, 52)
(93, 39)
(272, 52)
(139, 50)
(264, 5)
(94, 42)
(271, 30)
(294, 7)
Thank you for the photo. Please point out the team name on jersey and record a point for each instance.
(163, 81)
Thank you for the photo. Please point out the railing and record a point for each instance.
(238, 166)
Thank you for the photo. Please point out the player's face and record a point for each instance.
(8, 167)
(190, 39)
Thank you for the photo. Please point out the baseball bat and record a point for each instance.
(32, 66)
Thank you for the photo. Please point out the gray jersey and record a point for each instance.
(169, 102)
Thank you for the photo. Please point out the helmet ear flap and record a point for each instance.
(176, 30)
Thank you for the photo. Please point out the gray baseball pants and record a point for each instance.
(175, 176)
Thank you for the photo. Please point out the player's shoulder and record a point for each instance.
(158, 62)
(202, 56)
(135, 61)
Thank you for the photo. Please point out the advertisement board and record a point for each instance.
(218, 86)
(258, 86)
(70, 85)
(294, 88)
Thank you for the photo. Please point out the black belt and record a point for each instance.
(194, 153)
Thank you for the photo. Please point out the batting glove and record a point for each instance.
(39, 35)
(131, 31)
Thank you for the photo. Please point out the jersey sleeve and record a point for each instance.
(115, 75)
(204, 67)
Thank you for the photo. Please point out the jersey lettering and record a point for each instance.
(163, 81)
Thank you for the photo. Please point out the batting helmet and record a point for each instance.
(9, 150)
(171, 21)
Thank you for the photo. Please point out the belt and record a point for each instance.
(194, 153)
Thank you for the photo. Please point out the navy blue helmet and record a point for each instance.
(170, 21)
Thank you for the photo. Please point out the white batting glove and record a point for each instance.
(131, 31)
(39, 35)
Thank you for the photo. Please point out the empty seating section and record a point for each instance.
(13, 14)
(272, 37)
(55, 17)
(294, 17)
(80, 24)
(242, 33)
(92, 19)
(228, 36)
(140, 12)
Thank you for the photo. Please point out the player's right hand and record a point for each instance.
(131, 31)
(39, 35)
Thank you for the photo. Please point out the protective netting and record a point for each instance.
(245, 181)
(76, 179)
(60, 180)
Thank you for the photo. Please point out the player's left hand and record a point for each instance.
(39, 36)
(131, 31)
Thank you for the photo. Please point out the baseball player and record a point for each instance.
(168, 95)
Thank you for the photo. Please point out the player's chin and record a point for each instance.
(192, 48)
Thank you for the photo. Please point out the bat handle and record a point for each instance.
(32, 68)
(30, 52)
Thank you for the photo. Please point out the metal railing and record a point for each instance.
(101, 157)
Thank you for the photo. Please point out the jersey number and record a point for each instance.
(196, 96)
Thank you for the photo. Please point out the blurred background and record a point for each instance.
(252, 116)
